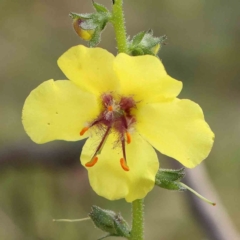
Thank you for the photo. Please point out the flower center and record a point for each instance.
(116, 115)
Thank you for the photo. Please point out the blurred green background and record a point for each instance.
(203, 51)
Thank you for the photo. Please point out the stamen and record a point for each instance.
(92, 162)
(104, 139)
(110, 108)
(124, 164)
(99, 149)
(123, 160)
(129, 138)
(84, 130)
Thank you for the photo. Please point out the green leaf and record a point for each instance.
(100, 7)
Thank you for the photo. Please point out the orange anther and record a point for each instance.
(92, 162)
(129, 138)
(84, 130)
(110, 108)
(124, 164)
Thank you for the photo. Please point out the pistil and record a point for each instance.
(110, 108)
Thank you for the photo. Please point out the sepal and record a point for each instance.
(145, 43)
(170, 179)
(110, 222)
(99, 7)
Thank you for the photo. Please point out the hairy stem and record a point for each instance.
(119, 26)
(137, 232)
(120, 31)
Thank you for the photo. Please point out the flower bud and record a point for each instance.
(85, 34)
(145, 43)
(110, 222)
(170, 179)
(156, 49)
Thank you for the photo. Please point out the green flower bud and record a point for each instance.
(110, 222)
(170, 179)
(156, 49)
(89, 26)
(145, 43)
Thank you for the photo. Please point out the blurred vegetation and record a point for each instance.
(202, 51)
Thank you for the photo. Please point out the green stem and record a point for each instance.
(119, 26)
(137, 220)
(121, 37)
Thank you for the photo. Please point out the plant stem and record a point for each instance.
(137, 220)
(121, 37)
(119, 26)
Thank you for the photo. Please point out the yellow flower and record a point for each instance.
(124, 105)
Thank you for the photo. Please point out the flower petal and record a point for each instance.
(107, 177)
(177, 129)
(145, 78)
(58, 110)
(89, 68)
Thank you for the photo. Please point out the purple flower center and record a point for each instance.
(116, 115)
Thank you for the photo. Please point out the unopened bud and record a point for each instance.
(145, 43)
(110, 222)
(85, 34)
(156, 49)
(170, 179)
